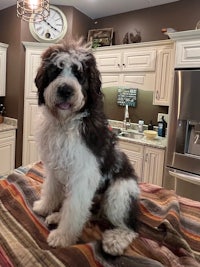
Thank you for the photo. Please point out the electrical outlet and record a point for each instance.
(166, 117)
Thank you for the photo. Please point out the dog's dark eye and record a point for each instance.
(79, 74)
(53, 71)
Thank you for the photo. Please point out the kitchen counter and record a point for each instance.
(8, 124)
(158, 142)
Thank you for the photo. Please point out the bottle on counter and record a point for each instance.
(140, 126)
(150, 126)
(162, 125)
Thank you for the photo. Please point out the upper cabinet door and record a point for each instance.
(164, 77)
(139, 60)
(188, 54)
(129, 59)
(3, 54)
(108, 61)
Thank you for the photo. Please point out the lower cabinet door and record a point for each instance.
(7, 152)
(153, 165)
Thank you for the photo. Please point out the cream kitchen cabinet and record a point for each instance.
(3, 55)
(135, 155)
(7, 151)
(147, 66)
(187, 49)
(147, 161)
(164, 75)
(125, 58)
(127, 66)
(153, 165)
(31, 110)
(143, 80)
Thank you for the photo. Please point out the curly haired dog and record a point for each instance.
(79, 152)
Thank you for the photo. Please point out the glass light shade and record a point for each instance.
(32, 10)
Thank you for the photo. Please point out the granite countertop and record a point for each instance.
(158, 142)
(8, 124)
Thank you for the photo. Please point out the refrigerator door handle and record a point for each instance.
(188, 177)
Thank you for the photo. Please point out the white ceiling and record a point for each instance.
(100, 8)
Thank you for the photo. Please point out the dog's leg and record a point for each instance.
(75, 210)
(118, 207)
(51, 196)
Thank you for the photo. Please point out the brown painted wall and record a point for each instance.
(181, 15)
(15, 70)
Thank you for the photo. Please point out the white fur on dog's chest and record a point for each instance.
(63, 149)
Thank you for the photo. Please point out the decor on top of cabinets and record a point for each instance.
(33, 10)
(135, 38)
(132, 38)
(3, 56)
(50, 30)
(125, 39)
(100, 37)
(197, 25)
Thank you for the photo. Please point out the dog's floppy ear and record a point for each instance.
(40, 82)
(94, 80)
(42, 77)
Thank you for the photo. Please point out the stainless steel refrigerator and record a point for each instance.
(182, 171)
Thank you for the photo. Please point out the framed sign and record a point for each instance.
(100, 37)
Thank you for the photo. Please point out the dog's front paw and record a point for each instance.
(40, 208)
(117, 240)
(56, 238)
(53, 218)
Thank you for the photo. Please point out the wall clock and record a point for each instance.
(52, 29)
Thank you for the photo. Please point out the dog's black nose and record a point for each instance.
(65, 91)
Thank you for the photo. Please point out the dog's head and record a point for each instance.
(68, 80)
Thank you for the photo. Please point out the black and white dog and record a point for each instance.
(79, 152)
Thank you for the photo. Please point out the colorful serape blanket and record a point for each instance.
(169, 232)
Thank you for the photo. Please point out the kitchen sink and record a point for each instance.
(133, 135)
(127, 133)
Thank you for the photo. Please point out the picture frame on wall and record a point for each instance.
(100, 37)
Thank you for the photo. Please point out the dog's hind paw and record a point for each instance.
(54, 218)
(115, 241)
(56, 238)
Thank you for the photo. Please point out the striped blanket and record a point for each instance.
(169, 232)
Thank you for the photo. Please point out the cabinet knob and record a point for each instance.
(118, 65)
(124, 65)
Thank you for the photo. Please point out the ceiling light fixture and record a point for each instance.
(27, 8)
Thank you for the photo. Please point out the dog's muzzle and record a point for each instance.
(64, 93)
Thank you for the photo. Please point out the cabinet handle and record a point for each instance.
(157, 95)
(146, 157)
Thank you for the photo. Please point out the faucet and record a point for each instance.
(126, 122)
